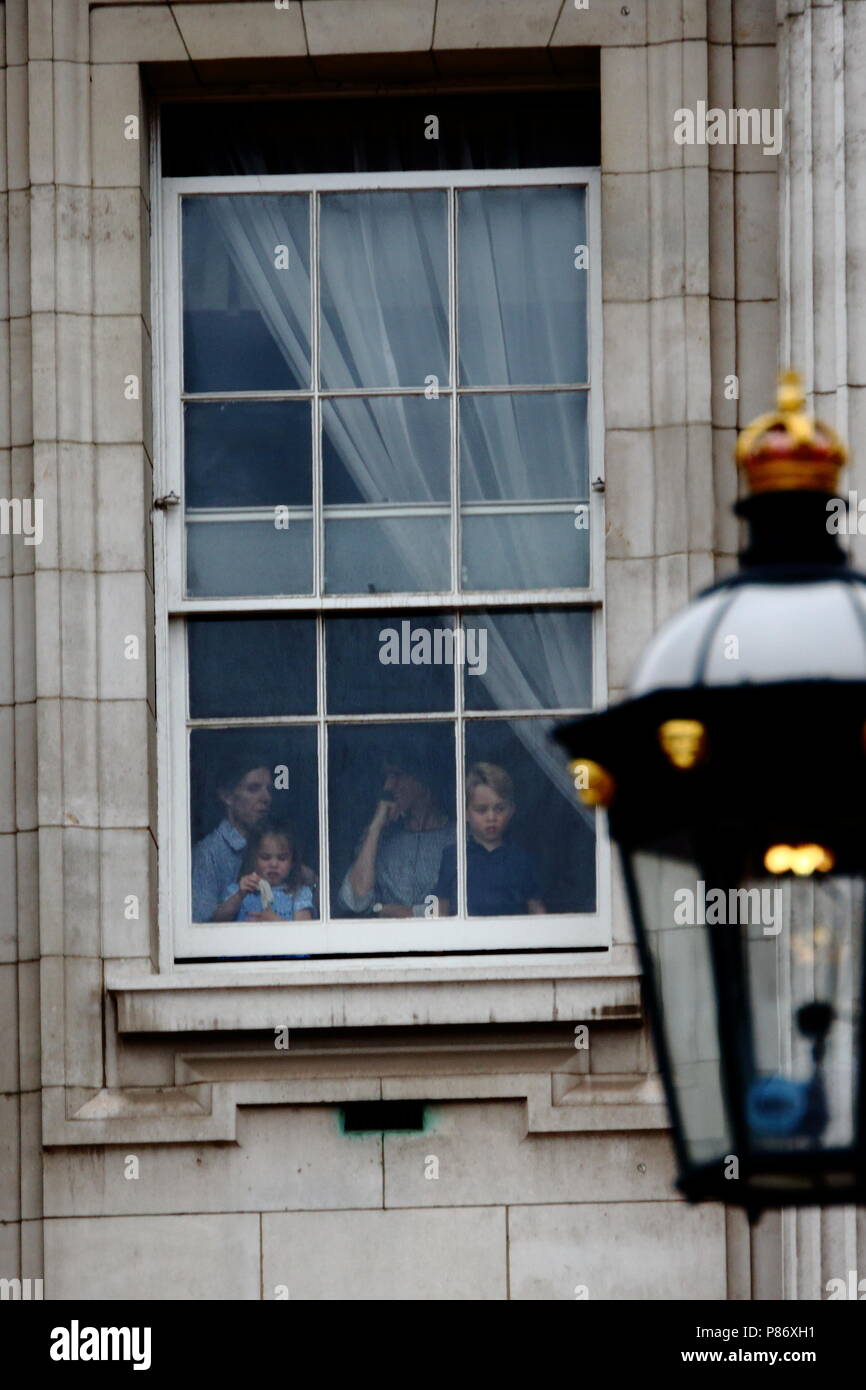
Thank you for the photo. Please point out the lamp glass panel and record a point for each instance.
(685, 990)
(803, 971)
(759, 984)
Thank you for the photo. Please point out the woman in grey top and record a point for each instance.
(397, 863)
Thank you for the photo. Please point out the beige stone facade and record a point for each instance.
(555, 1168)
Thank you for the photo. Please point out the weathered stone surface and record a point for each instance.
(286, 1157)
(152, 1258)
(249, 30)
(485, 1154)
(428, 1256)
(643, 1251)
(389, 26)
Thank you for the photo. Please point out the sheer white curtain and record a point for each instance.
(511, 687)
(358, 347)
(377, 449)
(377, 265)
(518, 247)
(252, 230)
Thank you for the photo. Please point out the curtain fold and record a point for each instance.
(377, 446)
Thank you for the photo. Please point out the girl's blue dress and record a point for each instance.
(286, 904)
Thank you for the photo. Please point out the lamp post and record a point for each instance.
(734, 778)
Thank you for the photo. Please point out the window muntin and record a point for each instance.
(533, 501)
(403, 281)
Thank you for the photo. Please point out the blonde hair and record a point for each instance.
(489, 775)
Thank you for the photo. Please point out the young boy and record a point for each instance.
(502, 881)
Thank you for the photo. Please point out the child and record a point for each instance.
(271, 889)
(502, 877)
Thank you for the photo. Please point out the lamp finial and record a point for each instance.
(787, 450)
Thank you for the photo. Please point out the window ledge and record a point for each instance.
(592, 985)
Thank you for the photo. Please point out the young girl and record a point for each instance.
(270, 889)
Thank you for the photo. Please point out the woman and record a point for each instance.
(396, 867)
(245, 789)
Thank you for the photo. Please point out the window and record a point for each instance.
(382, 583)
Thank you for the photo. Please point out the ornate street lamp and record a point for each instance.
(734, 778)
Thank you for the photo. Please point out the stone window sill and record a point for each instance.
(578, 987)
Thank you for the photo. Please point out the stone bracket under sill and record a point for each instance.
(597, 987)
(206, 1112)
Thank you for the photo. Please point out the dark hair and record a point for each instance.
(283, 832)
(420, 754)
(235, 768)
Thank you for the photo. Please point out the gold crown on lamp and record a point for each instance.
(787, 450)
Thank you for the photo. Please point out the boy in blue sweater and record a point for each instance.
(502, 877)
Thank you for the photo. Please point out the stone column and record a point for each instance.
(76, 795)
(822, 332)
(20, 1116)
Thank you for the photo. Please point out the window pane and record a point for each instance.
(390, 664)
(382, 555)
(524, 550)
(248, 453)
(523, 448)
(528, 660)
(386, 449)
(246, 292)
(251, 666)
(384, 260)
(391, 786)
(527, 837)
(237, 558)
(243, 781)
(522, 301)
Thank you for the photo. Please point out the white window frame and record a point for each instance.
(180, 940)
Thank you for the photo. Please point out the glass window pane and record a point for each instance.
(522, 301)
(246, 292)
(384, 295)
(390, 664)
(530, 846)
(383, 555)
(243, 783)
(528, 660)
(251, 666)
(386, 449)
(524, 550)
(229, 559)
(248, 453)
(391, 791)
(524, 448)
